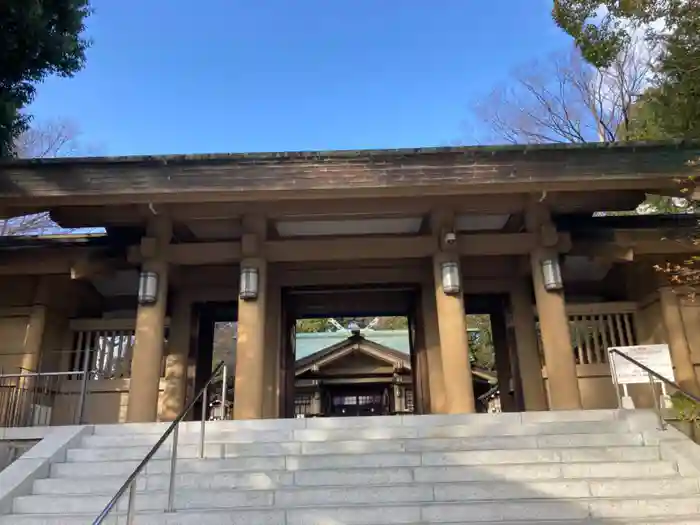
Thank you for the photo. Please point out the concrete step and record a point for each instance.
(219, 450)
(657, 511)
(493, 491)
(278, 518)
(227, 432)
(481, 424)
(431, 451)
(80, 468)
(223, 479)
(160, 466)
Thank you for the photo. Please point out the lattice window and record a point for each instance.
(108, 352)
(302, 404)
(597, 327)
(408, 397)
(369, 400)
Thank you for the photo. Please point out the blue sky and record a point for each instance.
(177, 76)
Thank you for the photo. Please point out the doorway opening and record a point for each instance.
(348, 351)
(353, 366)
(216, 327)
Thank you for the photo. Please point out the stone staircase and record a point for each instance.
(594, 467)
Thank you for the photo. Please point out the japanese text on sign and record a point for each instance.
(655, 357)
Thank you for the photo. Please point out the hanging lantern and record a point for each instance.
(148, 288)
(248, 290)
(551, 274)
(450, 278)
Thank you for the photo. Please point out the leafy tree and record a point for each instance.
(38, 38)
(601, 28)
(670, 108)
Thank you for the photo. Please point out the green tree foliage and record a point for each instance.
(481, 350)
(670, 108)
(38, 38)
(603, 28)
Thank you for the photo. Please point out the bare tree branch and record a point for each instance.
(55, 138)
(563, 99)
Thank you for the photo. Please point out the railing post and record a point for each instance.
(204, 421)
(173, 469)
(224, 414)
(618, 394)
(130, 510)
(657, 406)
(83, 386)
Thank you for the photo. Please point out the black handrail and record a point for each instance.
(656, 375)
(108, 508)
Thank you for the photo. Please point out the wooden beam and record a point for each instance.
(94, 266)
(35, 261)
(602, 250)
(72, 216)
(504, 243)
(339, 249)
(193, 254)
(350, 248)
(356, 276)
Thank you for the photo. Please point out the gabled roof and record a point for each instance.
(351, 344)
(313, 342)
(359, 343)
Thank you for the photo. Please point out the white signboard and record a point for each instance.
(655, 357)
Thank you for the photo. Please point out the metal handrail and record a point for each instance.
(82, 374)
(130, 482)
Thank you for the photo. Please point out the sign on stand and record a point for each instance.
(654, 357)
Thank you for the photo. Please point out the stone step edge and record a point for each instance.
(116, 450)
(533, 429)
(401, 484)
(652, 520)
(642, 443)
(676, 474)
(352, 469)
(381, 454)
(676, 520)
(543, 499)
(352, 506)
(254, 471)
(619, 426)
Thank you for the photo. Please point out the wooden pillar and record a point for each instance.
(250, 348)
(273, 320)
(420, 366)
(146, 364)
(564, 392)
(250, 380)
(431, 336)
(503, 365)
(36, 326)
(527, 349)
(177, 358)
(677, 341)
(454, 344)
(515, 370)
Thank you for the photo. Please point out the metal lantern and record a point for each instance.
(451, 278)
(249, 284)
(148, 288)
(551, 274)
